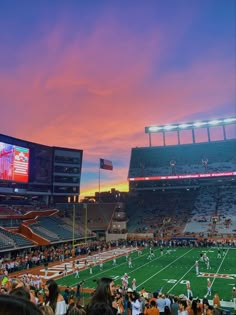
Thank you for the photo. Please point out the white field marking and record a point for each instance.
(220, 266)
(124, 263)
(208, 251)
(103, 256)
(180, 279)
(115, 278)
(164, 267)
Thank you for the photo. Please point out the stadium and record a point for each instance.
(175, 226)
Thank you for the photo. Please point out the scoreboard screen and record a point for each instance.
(14, 163)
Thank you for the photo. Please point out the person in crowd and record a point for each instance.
(216, 310)
(79, 289)
(136, 305)
(167, 310)
(103, 297)
(20, 292)
(199, 307)
(161, 303)
(17, 305)
(175, 306)
(75, 309)
(120, 302)
(189, 306)
(100, 308)
(127, 303)
(182, 307)
(167, 301)
(46, 310)
(151, 309)
(54, 298)
(234, 297)
(205, 306)
(66, 294)
(216, 301)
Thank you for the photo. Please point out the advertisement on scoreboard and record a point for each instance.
(14, 163)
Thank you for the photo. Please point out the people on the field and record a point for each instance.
(130, 265)
(125, 281)
(134, 285)
(197, 267)
(76, 271)
(189, 291)
(208, 287)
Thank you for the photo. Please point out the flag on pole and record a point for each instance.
(106, 164)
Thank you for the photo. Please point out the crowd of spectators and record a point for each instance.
(20, 297)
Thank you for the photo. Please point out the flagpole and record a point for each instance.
(99, 179)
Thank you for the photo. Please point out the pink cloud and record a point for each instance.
(99, 93)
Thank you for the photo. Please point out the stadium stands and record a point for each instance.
(53, 229)
(184, 159)
(15, 239)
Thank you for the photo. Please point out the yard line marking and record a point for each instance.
(183, 276)
(164, 268)
(192, 268)
(220, 266)
(180, 279)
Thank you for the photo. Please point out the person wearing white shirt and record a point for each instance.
(136, 305)
(54, 298)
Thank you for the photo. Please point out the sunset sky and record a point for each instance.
(92, 74)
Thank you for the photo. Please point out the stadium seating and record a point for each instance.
(188, 159)
(16, 239)
(53, 229)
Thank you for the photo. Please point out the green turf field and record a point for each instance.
(169, 272)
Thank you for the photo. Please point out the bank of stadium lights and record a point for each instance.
(191, 125)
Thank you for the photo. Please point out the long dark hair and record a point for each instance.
(15, 305)
(53, 293)
(99, 308)
(102, 292)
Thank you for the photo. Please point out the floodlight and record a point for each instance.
(169, 127)
(183, 126)
(229, 120)
(199, 123)
(154, 128)
(214, 122)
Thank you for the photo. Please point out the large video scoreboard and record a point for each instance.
(14, 163)
(32, 168)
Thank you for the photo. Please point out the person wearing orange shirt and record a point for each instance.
(152, 309)
(216, 300)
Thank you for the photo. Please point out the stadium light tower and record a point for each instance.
(208, 124)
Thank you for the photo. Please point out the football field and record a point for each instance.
(167, 273)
